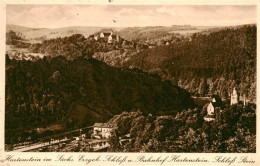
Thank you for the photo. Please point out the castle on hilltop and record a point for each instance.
(107, 36)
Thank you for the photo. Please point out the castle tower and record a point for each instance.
(234, 97)
(110, 38)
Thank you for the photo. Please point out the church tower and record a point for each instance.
(234, 97)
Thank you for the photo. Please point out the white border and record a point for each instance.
(53, 155)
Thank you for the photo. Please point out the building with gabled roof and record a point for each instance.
(103, 130)
(105, 34)
(112, 38)
(211, 109)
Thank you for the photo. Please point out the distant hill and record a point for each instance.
(153, 33)
(156, 34)
(211, 62)
(45, 33)
(80, 92)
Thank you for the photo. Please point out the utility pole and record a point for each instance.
(244, 100)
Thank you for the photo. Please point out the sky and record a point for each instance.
(56, 16)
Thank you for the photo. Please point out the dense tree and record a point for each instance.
(188, 132)
(211, 63)
(81, 92)
(17, 39)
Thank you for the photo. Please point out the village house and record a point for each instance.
(96, 37)
(102, 130)
(112, 38)
(211, 109)
(109, 37)
(101, 35)
(104, 34)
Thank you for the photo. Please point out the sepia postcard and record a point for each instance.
(129, 83)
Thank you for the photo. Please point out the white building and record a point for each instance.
(102, 130)
(105, 34)
(215, 103)
(96, 37)
(234, 97)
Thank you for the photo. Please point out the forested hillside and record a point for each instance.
(70, 47)
(78, 93)
(233, 131)
(47, 33)
(209, 63)
(77, 45)
(159, 34)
